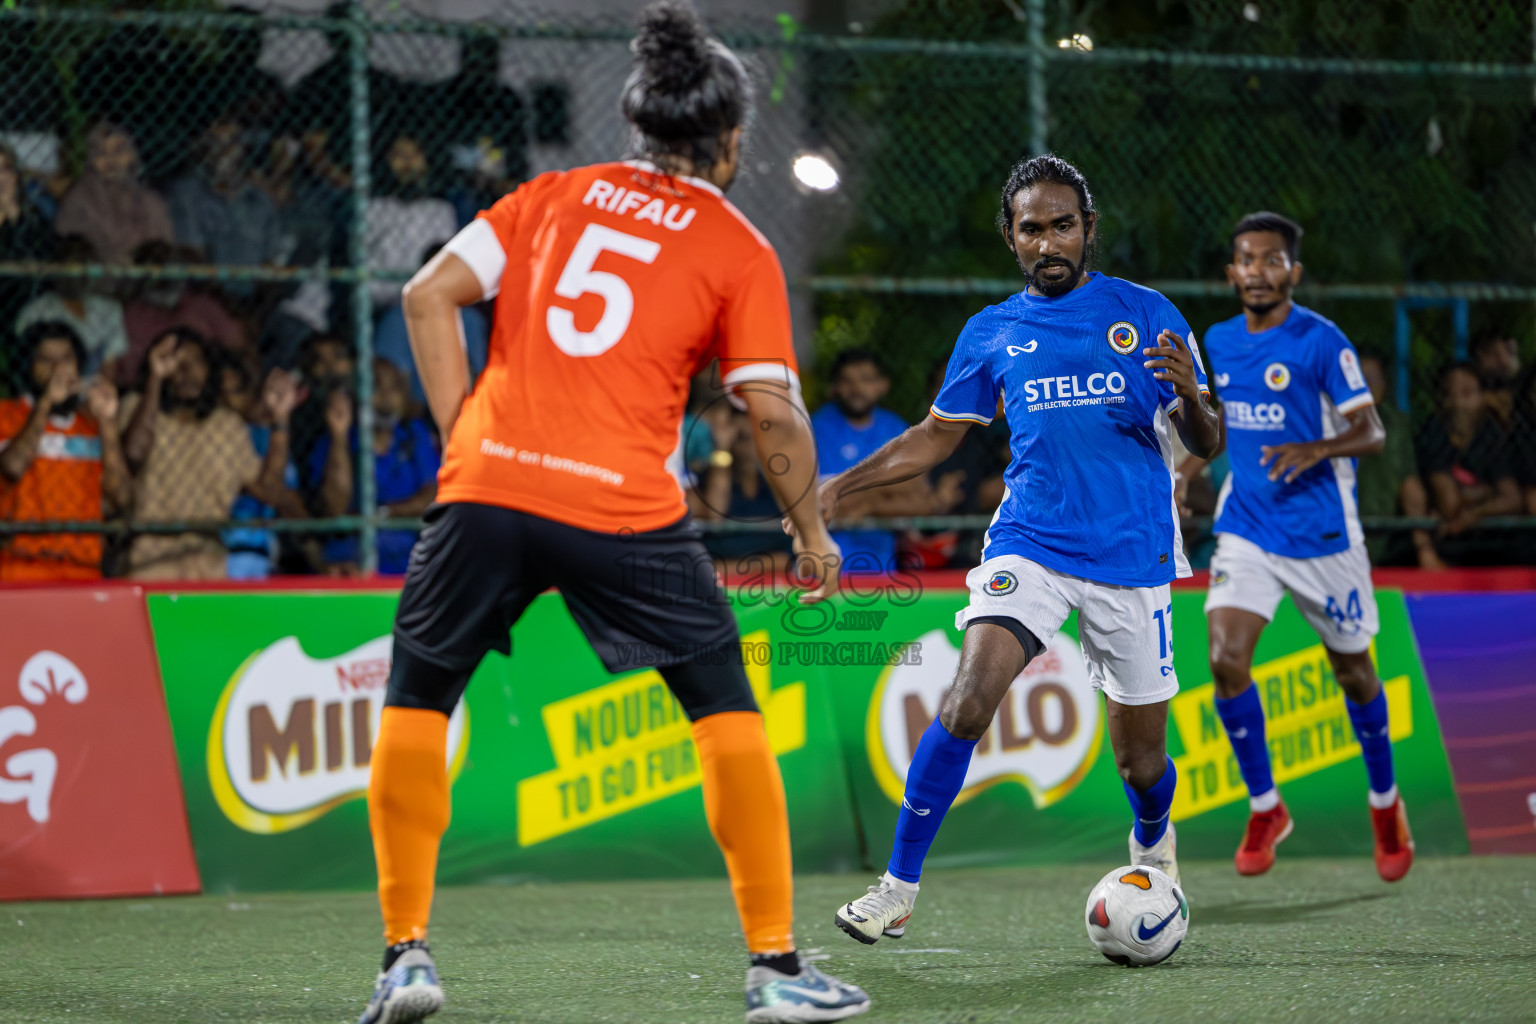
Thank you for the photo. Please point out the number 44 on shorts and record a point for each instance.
(1349, 614)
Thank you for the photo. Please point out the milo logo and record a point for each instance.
(1045, 734)
(292, 736)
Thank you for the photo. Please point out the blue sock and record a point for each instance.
(1370, 722)
(934, 780)
(1152, 805)
(1243, 717)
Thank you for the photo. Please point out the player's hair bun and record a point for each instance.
(686, 88)
(672, 47)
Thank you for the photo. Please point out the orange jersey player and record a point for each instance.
(614, 285)
(624, 281)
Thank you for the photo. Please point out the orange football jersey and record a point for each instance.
(621, 283)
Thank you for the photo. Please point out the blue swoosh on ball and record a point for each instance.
(1146, 934)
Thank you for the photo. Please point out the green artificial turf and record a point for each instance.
(1314, 940)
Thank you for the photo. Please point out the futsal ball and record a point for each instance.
(1137, 916)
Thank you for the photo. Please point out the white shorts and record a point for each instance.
(1126, 632)
(1333, 592)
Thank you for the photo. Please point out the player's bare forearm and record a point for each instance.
(1199, 427)
(915, 452)
(1365, 435)
(786, 450)
(431, 303)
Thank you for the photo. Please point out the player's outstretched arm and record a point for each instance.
(1197, 423)
(914, 453)
(1365, 435)
(431, 303)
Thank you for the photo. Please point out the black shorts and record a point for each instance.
(642, 599)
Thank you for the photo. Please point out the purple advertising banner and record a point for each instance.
(1478, 652)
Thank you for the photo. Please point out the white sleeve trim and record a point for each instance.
(481, 251)
(1360, 401)
(771, 373)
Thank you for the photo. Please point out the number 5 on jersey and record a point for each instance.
(578, 278)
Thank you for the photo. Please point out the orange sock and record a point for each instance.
(744, 802)
(408, 813)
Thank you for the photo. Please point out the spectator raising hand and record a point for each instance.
(193, 456)
(405, 467)
(58, 462)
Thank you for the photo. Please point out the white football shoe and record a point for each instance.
(1163, 855)
(883, 911)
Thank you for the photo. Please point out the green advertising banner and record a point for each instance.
(559, 769)
(1043, 787)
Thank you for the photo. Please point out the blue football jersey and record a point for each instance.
(840, 445)
(1294, 382)
(1089, 488)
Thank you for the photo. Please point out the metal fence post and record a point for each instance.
(1039, 104)
(362, 298)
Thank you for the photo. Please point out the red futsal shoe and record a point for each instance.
(1265, 830)
(1394, 843)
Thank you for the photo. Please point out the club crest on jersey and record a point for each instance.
(1277, 376)
(1002, 582)
(1123, 337)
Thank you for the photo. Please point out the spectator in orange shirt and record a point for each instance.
(57, 461)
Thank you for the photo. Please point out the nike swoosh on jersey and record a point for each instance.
(923, 813)
(1146, 934)
(1223, 379)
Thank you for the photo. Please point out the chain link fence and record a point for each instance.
(214, 210)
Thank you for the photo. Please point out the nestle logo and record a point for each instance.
(369, 674)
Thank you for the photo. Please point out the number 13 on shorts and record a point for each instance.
(1164, 618)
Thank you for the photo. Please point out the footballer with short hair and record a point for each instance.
(1297, 412)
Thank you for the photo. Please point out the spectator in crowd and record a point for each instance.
(252, 550)
(192, 457)
(851, 427)
(1464, 460)
(24, 232)
(732, 488)
(24, 235)
(97, 319)
(325, 365)
(393, 342)
(405, 219)
(487, 141)
(219, 212)
(110, 206)
(58, 462)
(1388, 483)
(405, 460)
(1496, 359)
(309, 191)
(162, 304)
